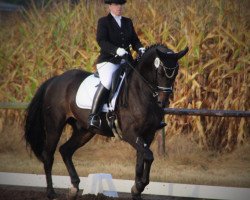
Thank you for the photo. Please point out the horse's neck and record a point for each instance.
(140, 89)
(139, 99)
(140, 104)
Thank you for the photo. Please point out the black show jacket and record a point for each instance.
(110, 36)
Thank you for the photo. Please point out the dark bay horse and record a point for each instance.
(54, 106)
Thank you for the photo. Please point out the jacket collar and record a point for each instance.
(112, 20)
(116, 17)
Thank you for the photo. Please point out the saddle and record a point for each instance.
(88, 87)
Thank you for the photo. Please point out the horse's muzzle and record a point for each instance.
(163, 104)
(163, 99)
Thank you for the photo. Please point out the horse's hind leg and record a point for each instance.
(79, 137)
(54, 125)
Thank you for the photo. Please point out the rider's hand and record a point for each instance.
(142, 50)
(121, 52)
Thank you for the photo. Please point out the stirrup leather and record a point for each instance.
(111, 118)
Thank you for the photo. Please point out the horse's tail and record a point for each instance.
(34, 122)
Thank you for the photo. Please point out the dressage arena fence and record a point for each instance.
(170, 111)
(103, 183)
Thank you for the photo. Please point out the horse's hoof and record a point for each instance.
(134, 190)
(51, 195)
(136, 195)
(72, 195)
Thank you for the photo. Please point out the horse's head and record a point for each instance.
(166, 66)
(162, 66)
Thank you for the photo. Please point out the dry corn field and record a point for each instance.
(43, 42)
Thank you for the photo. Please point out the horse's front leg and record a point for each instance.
(143, 166)
(138, 174)
(147, 167)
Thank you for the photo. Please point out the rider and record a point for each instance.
(115, 34)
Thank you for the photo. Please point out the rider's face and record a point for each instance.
(116, 9)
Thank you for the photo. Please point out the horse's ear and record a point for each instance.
(170, 55)
(182, 53)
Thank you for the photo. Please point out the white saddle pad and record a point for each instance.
(86, 92)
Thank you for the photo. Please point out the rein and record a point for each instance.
(153, 89)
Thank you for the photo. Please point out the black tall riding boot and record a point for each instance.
(94, 120)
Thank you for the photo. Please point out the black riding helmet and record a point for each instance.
(115, 1)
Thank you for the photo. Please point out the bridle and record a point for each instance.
(167, 89)
(156, 89)
(165, 68)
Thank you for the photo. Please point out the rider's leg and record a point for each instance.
(94, 120)
(105, 70)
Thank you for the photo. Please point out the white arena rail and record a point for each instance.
(124, 186)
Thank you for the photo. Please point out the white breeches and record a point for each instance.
(106, 70)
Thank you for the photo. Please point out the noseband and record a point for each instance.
(158, 64)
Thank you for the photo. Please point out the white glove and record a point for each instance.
(142, 50)
(121, 52)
